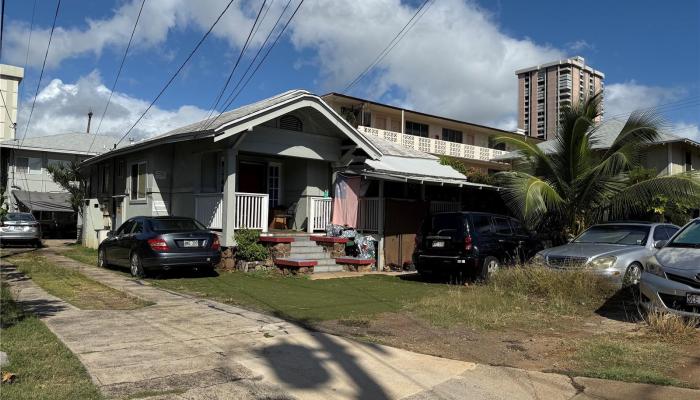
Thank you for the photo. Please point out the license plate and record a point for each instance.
(692, 299)
(190, 243)
(438, 243)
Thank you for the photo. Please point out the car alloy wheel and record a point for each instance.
(633, 275)
(136, 267)
(491, 265)
(101, 258)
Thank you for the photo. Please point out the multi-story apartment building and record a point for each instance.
(543, 90)
(10, 77)
(475, 145)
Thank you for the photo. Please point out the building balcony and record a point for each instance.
(434, 146)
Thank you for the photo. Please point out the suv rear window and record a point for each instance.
(446, 224)
(481, 223)
(176, 225)
(502, 226)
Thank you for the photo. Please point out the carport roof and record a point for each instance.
(43, 201)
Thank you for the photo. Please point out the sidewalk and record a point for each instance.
(209, 350)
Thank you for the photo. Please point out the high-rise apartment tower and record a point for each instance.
(543, 90)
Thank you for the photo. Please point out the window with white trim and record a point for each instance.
(28, 165)
(274, 183)
(58, 163)
(138, 181)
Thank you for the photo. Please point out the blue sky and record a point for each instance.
(457, 61)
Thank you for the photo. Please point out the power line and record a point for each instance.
(29, 42)
(389, 47)
(41, 74)
(269, 49)
(692, 101)
(172, 78)
(238, 60)
(116, 78)
(209, 122)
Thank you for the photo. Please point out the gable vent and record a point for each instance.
(291, 123)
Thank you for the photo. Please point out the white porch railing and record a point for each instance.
(251, 211)
(319, 212)
(444, 206)
(208, 209)
(434, 146)
(369, 214)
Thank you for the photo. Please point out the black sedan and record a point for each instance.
(145, 244)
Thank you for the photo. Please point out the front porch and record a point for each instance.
(254, 211)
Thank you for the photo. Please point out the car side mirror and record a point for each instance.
(660, 243)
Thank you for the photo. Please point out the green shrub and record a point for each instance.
(247, 246)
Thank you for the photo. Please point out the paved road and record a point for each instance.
(189, 348)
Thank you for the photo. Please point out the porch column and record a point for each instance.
(229, 200)
(380, 251)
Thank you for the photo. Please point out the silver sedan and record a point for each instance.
(20, 227)
(614, 250)
(671, 279)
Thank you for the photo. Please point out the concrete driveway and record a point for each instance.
(188, 348)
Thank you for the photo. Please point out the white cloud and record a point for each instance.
(579, 45)
(623, 98)
(455, 61)
(62, 107)
(157, 20)
(687, 130)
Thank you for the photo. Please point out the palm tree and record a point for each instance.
(578, 184)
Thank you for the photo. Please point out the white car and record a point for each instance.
(671, 278)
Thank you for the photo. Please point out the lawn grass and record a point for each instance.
(624, 360)
(72, 286)
(303, 299)
(44, 367)
(80, 253)
(523, 298)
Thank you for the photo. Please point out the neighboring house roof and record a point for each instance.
(43, 201)
(71, 143)
(605, 135)
(241, 119)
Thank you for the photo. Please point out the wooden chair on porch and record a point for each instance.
(282, 217)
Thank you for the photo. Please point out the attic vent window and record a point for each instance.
(291, 123)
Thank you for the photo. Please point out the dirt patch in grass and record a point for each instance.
(542, 320)
(72, 286)
(45, 368)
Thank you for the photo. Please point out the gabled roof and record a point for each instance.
(247, 116)
(605, 134)
(70, 143)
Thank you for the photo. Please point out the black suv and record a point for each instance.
(471, 243)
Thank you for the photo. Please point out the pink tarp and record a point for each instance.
(345, 201)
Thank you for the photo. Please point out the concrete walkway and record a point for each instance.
(189, 348)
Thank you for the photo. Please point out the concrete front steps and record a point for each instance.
(304, 249)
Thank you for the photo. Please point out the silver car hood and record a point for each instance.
(590, 250)
(680, 258)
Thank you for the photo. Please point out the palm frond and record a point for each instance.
(529, 196)
(636, 198)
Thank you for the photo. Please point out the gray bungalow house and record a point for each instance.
(278, 156)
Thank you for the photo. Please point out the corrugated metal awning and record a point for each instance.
(42, 201)
(414, 169)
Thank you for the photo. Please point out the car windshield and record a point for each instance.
(18, 217)
(688, 237)
(629, 235)
(176, 225)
